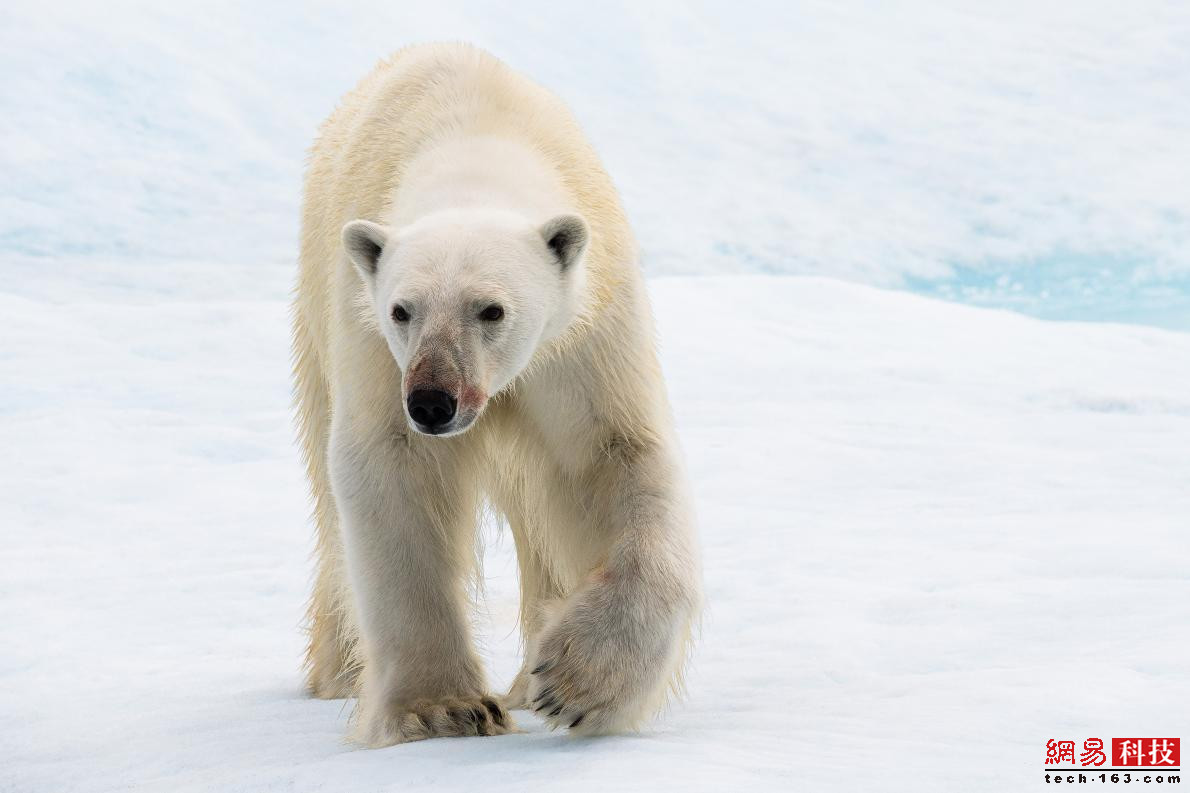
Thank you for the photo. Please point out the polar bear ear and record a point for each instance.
(566, 237)
(364, 241)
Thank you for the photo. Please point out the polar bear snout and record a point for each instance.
(440, 398)
(431, 410)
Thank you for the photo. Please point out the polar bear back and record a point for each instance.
(425, 94)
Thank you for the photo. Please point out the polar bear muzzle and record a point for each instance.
(441, 397)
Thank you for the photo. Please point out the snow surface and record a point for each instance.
(935, 537)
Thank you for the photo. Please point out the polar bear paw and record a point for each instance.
(442, 718)
(599, 668)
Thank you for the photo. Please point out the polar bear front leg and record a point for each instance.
(609, 652)
(406, 522)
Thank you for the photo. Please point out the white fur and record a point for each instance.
(443, 178)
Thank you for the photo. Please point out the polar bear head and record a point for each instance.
(464, 299)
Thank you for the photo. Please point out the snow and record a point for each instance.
(935, 535)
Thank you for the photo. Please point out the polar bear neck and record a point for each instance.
(479, 172)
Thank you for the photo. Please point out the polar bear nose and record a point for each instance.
(431, 408)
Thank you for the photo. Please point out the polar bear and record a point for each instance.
(471, 331)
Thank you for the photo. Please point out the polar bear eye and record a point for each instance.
(492, 313)
(400, 314)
